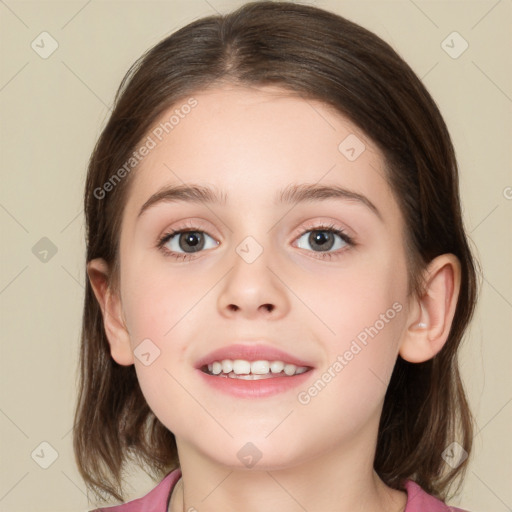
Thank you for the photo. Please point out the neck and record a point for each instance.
(342, 480)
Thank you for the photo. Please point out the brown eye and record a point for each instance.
(191, 241)
(324, 239)
(181, 243)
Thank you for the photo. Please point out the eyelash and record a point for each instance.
(322, 227)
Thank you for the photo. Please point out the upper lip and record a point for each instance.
(250, 353)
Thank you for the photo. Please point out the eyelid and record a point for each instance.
(199, 225)
(191, 224)
(325, 223)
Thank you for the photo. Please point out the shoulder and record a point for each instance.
(157, 499)
(419, 501)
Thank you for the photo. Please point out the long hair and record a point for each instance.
(322, 56)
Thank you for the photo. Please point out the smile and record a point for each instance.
(253, 370)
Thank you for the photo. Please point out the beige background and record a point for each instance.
(52, 111)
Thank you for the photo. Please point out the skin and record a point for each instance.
(251, 143)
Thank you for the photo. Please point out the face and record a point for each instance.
(322, 279)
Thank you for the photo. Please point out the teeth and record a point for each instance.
(260, 367)
(227, 366)
(249, 370)
(289, 369)
(241, 367)
(276, 366)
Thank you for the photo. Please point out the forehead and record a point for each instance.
(249, 142)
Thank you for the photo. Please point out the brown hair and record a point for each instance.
(322, 56)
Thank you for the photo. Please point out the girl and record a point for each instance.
(278, 276)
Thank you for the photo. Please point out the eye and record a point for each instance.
(324, 239)
(181, 243)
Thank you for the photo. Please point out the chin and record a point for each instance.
(255, 452)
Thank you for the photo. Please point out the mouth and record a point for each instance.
(253, 370)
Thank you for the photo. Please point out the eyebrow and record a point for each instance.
(291, 194)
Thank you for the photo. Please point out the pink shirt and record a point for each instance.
(158, 499)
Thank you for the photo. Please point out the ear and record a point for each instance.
(430, 316)
(111, 308)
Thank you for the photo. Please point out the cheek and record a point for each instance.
(364, 308)
(159, 313)
(162, 308)
(154, 302)
(350, 388)
(357, 296)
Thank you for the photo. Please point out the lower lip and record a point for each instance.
(255, 388)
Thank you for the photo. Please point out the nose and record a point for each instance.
(253, 289)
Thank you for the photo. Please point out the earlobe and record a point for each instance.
(431, 315)
(113, 317)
